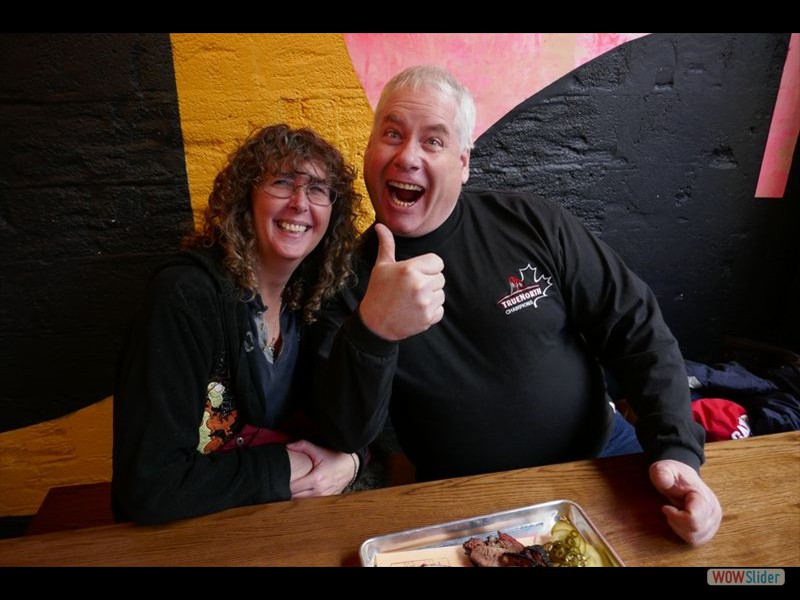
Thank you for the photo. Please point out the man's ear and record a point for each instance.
(465, 165)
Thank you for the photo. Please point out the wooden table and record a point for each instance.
(757, 481)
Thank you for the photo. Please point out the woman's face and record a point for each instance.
(288, 229)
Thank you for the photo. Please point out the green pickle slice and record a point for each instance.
(567, 548)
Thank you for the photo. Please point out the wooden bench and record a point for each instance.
(73, 507)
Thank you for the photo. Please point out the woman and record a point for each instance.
(209, 385)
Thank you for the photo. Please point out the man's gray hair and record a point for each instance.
(437, 78)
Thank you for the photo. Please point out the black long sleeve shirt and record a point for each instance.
(511, 377)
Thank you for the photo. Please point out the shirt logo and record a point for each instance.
(525, 293)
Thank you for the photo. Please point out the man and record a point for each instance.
(483, 315)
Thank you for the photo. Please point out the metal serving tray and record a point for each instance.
(519, 522)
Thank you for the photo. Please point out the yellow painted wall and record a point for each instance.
(228, 84)
(67, 451)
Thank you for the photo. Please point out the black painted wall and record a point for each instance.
(657, 147)
(93, 194)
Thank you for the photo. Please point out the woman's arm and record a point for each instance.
(160, 395)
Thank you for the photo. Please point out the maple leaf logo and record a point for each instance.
(525, 290)
(543, 282)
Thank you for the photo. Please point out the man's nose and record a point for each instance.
(408, 157)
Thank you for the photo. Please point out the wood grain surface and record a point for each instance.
(756, 479)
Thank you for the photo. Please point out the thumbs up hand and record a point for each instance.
(403, 298)
(385, 244)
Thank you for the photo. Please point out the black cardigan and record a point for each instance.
(192, 325)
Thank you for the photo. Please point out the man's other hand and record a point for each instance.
(694, 512)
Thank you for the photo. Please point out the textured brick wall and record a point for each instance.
(93, 195)
(657, 147)
(229, 84)
(69, 450)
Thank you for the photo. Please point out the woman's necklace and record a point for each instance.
(274, 345)
(272, 335)
(269, 330)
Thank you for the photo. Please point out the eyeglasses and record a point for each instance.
(285, 186)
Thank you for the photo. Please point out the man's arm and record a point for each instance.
(618, 316)
(621, 321)
(358, 336)
(354, 370)
(353, 376)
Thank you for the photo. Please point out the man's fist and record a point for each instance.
(403, 298)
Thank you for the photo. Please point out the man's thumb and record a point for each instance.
(662, 477)
(385, 244)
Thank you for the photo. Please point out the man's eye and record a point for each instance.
(436, 142)
(393, 134)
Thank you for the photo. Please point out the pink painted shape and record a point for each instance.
(784, 129)
(500, 69)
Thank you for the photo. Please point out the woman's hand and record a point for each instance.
(330, 472)
(300, 464)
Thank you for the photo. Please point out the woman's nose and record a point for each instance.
(299, 198)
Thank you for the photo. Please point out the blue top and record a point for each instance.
(275, 375)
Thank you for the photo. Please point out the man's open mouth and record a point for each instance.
(404, 194)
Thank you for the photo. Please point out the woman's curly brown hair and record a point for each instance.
(229, 223)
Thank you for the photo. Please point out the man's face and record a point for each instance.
(413, 165)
